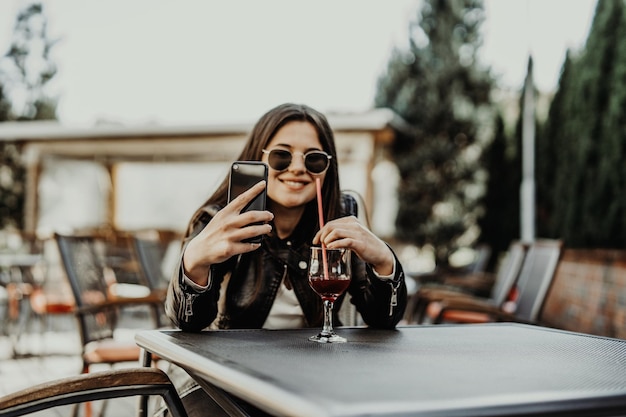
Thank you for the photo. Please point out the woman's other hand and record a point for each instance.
(348, 232)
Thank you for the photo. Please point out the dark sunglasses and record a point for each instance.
(316, 162)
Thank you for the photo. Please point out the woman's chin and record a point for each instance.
(291, 202)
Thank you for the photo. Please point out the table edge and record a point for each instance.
(230, 379)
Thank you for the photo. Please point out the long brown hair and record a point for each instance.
(263, 132)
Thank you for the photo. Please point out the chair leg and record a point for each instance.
(103, 408)
(87, 404)
(75, 410)
(88, 409)
(145, 358)
(18, 321)
(4, 331)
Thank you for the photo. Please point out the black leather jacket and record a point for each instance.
(254, 279)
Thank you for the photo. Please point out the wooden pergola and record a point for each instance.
(362, 141)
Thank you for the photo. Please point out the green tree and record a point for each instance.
(25, 70)
(440, 89)
(27, 66)
(551, 145)
(589, 131)
(500, 221)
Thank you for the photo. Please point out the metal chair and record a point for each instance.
(97, 309)
(530, 291)
(428, 299)
(150, 254)
(30, 298)
(84, 388)
(4, 310)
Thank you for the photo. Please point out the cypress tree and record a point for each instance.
(550, 151)
(500, 222)
(609, 187)
(589, 129)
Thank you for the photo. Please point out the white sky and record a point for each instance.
(201, 61)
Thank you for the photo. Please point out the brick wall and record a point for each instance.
(588, 293)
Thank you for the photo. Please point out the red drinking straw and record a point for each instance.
(320, 214)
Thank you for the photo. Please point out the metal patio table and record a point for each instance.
(502, 369)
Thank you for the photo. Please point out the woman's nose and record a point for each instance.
(297, 162)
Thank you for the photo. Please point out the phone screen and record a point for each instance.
(243, 175)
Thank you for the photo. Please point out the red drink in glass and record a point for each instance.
(329, 289)
(329, 277)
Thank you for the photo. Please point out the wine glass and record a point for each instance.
(329, 279)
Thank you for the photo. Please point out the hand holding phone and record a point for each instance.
(243, 175)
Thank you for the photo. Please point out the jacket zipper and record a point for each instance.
(187, 306)
(394, 296)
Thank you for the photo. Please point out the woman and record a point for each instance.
(223, 282)
(267, 286)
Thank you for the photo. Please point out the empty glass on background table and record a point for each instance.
(329, 281)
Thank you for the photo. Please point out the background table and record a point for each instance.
(462, 370)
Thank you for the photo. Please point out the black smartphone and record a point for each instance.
(243, 175)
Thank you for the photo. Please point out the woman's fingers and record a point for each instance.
(251, 217)
(224, 236)
(348, 232)
(344, 227)
(242, 200)
(250, 230)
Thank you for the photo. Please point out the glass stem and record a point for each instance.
(328, 318)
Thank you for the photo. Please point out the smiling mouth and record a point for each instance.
(298, 184)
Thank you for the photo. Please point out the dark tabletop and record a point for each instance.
(464, 370)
